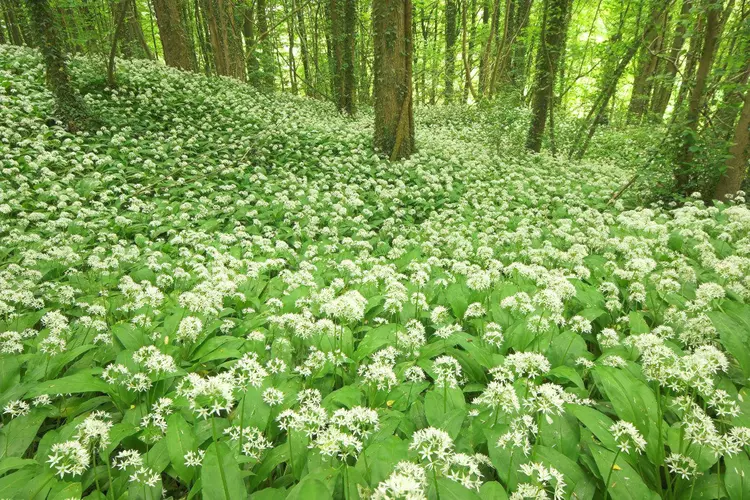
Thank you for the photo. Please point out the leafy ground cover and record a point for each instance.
(221, 294)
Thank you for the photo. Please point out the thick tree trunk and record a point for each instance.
(697, 94)
(175, 36)
(225, 37)
(451, 33)
(343, 19)
(394, 115)
(732, 179)
(548, 56)
(70, 107)
(663, 90)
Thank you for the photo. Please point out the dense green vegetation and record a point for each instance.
(219, 292)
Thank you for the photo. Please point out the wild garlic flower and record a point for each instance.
(69, 457)
(627, 436)
(210, 395)
(493, 335)
(17, 408)
(681, 465)
(434, 446)
(348, 307)
(94, 430)
(189, 329)
(543, 479)
(273, 396)
(248, 371)
(127, 458)
(154, 361)
(500, 397)
(517, 436)
(411, 340)
(527, 364)
(448, 372)
(194, 458)
(253, 440)
(407, 482)
(464, 469)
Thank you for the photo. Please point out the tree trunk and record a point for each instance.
(11, 21)
(487, 51)
(302, 32)
(663, 90)
(548, 56)
(518, 58)
(450, 47)
(133, 42)
(502, 57)
(267, 64)
(482, 61)
(70, 107)
(225, 37)
(731, 180)
(175, 36)
(394, 115)
(343, 19)
(647, 60)
(697, 94)
(248, 33)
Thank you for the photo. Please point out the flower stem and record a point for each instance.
(609, 476)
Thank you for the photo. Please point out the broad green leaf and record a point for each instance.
(221, 475)
(624, 482)
(737, 476)
(180, 440)
(72, 384)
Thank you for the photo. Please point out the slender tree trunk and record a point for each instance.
(175, 36)
(663, 90)
(267, 64)
(646, 66)
(343, 19)
(394, 116)
(248, 32)
(302, 32)
(548, 56)
(290, 34)
(697, 93)
(70, 107)
(482, 62)
(519, 45)
(451, 9)
(487, 51)
(736, 166)
(133, 42)
(11, 21)
(502, 56)
(225, 37)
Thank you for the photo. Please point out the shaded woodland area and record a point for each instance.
(681, 66)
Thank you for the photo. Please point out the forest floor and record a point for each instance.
(208, 230)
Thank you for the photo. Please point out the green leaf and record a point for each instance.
(17, 436)
(73, 384)
(451, 490)
(10, 463)
(734, 337)
(737, 478)
(308, 488)
(12, 484)
(492, 490)
(376, 338)
(180, 440)
(598, 423)
(217, 463)
(624, 483)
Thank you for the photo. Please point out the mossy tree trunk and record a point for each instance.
(394, 114)
(548, 56)
(70, 107)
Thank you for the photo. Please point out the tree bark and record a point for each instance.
(302, 32)
(736, 166)
(266, 56)
(133, 42)
(487, 51)
(647, 60)
(343, 19)
(697, 94)
(451, 33)
(548, 56)
(663, 90)
(70, 107)
(176, 41)
(15, 33)
(225, 38)
(394, 115)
